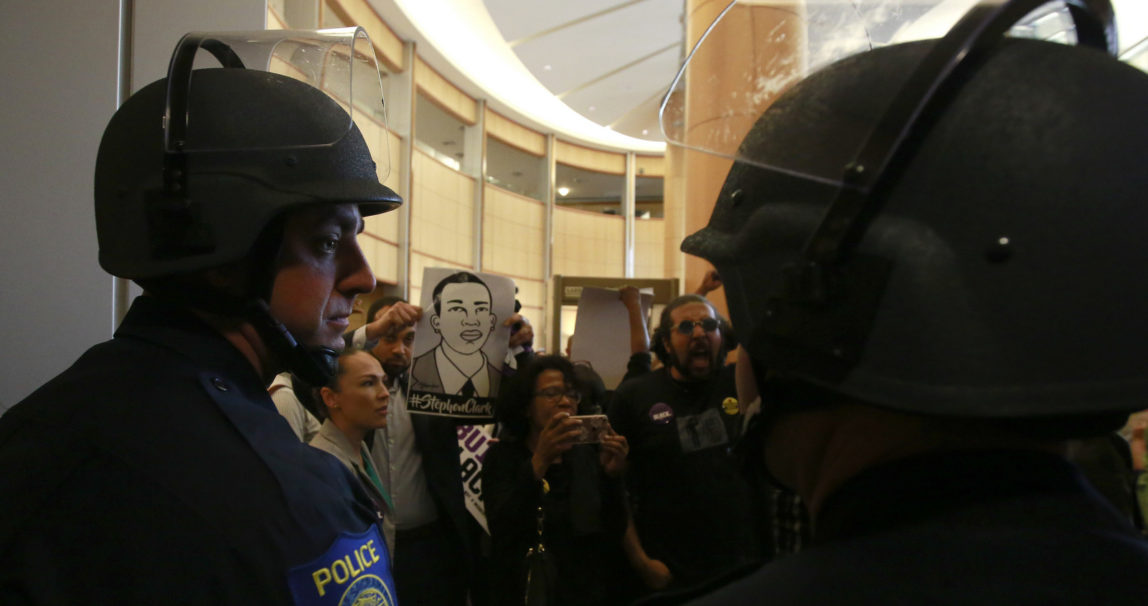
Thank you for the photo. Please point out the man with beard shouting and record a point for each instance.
(691, 506)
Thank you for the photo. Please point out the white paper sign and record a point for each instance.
(602, 332)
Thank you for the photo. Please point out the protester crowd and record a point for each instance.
(646, 506)
(663, 505)
(933, 355)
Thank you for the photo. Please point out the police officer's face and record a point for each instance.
(320, 271)
(464, 319)
(695, 352)
(362, 396)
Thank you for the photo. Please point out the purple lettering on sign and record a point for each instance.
(475, 440)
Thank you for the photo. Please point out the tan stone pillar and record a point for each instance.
(769, 32)
(674, 209)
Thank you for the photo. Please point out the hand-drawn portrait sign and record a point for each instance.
(460, 344)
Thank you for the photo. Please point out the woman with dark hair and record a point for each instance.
(538, 462)
(355, 402)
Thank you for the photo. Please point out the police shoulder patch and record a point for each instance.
(354, 571)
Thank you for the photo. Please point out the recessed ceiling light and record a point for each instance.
(545, 68)
(563, 191)
(592, 108)
(645, 131)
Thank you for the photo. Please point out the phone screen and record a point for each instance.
(593, 428)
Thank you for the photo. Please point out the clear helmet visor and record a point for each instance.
(339, 62)
(755, 51)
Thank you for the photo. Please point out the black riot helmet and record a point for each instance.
(192, 168)
(949, 227)
(196, 171)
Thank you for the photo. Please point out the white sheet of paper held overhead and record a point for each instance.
(602, 332)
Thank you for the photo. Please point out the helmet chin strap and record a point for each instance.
(313, 364)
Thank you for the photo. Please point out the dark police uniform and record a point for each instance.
(1004, 528)
(156, 469)
(691, 505)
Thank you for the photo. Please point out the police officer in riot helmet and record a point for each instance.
(156, 467)
(929, 251)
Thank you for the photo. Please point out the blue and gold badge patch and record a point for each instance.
(355, 571)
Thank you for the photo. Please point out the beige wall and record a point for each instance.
(513, 233)
(588, 244)
(380, 237)
(442, 212)
(513, 238)
(649, 247)
(65, 66)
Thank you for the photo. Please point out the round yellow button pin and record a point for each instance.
(729, 405)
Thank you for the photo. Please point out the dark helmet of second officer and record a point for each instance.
(949, 227)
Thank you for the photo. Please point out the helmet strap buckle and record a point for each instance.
(176, 227)
(315, 365)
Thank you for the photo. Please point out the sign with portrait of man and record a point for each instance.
(460, 343)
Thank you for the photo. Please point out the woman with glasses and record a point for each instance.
(539, 463)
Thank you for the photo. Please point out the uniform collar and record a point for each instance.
(908, 490)
(177, 329)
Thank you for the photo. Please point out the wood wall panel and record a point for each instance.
(514, 134)
(596, 160)
(513, 234)
(274, 21)
(444, 94)
(650, 166)
(388, 46)
(588, 244)
(649, 248)
(442, 211)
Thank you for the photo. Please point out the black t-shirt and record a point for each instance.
(691, 505)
